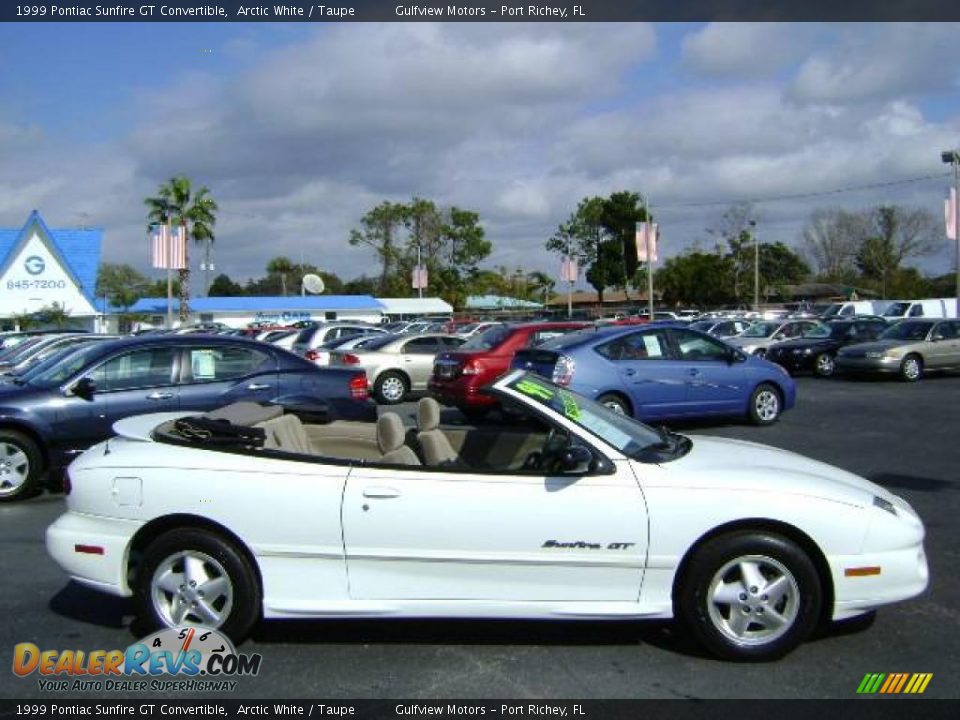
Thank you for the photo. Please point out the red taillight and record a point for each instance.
(349, 359)
(312, 355)
(359, 387)
(472, 367)
(89, 549)
(563, 370)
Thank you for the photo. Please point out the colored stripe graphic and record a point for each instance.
(894, 683)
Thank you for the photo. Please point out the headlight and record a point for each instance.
(807, 351)
(884, 505)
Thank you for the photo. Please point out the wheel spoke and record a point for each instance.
(739, 622)
(776, 589)
(171, 582)
(207, 613)
(178, 610)
(193, 570)
(18, 458)
(215, 588)
(727, 593)
(772, 620)
(751, 575)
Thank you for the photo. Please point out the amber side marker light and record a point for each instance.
(861, 571)
(88, 549)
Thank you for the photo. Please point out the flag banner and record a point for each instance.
(569, 269)
(158, 240)
(950, 214)
(419, 277)
(647, 236)
(178, 247)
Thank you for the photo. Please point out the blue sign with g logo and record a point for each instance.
(34, 265)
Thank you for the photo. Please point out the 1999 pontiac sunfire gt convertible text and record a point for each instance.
(576, 513)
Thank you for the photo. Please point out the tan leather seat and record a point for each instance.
(391, 441)
(286, 433)
(436, 447)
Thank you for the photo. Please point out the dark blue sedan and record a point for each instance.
(661, 371)
(55, 411)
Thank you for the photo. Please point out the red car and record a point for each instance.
(459, 375)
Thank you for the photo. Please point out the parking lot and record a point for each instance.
(905, 437)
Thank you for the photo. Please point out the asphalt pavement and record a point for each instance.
(905, 437)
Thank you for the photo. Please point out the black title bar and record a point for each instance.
(510, 11)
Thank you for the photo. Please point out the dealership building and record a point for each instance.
(42, 266)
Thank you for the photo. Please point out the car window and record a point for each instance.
(488, 339)
(422, 346)
(646, 345)
(212, 364)
(947, 330)
(539, 337)
(693, 346)
(916, 311)
(452, 342)
(150, 367)
(305, 335)
(912, 331)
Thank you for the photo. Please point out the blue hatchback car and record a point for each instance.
(663, 370)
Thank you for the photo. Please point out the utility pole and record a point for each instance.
(952, 157)
(756, 266)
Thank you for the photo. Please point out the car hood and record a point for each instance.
(738, 464)
(876, 346)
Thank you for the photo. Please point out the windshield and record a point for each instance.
(760, 330)
(907, 331)
(627, 435)
(897, 309)
(488, 339)
(832, 310)
(375, 343)
(59, 369)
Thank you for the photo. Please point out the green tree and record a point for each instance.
(177, 203)
(779, 265)
(601, 234)
(223, 286)
(894, 234)
(735, 233)
(158, 289)
(122, 285)
(831, 238)
(698, 279)
(380, 229)
(56, 314)
(541, 286)
(282, 267)
(362, 285)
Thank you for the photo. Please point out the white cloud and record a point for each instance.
(750, 50)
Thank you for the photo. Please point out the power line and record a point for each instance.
(802, 196)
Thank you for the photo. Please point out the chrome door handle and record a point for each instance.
(258, 386)
(628, 372)
(380, 492)
(159, 396)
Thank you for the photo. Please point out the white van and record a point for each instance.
(932, 308)
(855, 307)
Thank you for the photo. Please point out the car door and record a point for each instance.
(129, 383)
(943, 350)
(714, 384)
(646, 370)
(416, 359)
(419, 533)
(217, 374)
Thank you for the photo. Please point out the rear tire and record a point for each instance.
(911, 369)
(616, 403)
(824, 365)
(21, 466)
(749, 596)
(391, 388)
(193, 577)
(766, 405)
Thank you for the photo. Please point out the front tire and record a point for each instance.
(192, 577)
(824, 365)
(391, 388)
(750, 596)
(21, 466)
(616, 403)
(765, 405)
(911, 368)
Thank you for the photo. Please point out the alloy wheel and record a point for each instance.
(192, 588)
(767, 405)
(14, 468)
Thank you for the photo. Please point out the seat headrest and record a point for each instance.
(428, 414)
(390, 433)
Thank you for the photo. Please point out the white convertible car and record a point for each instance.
(573, 513)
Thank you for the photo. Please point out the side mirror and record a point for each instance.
(936, 338)
(735, 356)
(576, 460)
(84, 388)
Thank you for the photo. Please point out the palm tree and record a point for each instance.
(541, 285)
(177, 204)
(281, 266)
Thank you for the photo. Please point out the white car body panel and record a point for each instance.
(429, 542)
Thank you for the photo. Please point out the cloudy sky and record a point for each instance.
(299, 129)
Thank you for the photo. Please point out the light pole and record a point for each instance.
(952, 157)
(756, 266)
